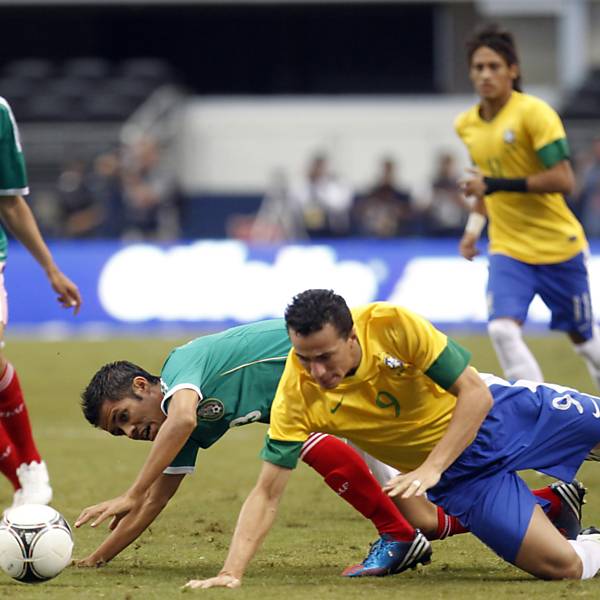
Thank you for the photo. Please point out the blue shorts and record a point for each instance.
(530, 426)
(564, 288)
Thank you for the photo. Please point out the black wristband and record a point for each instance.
(500, 184)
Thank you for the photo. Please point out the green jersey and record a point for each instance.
(235, 373)
(13, 176)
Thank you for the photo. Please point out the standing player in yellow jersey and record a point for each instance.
(519, 148)
(400, 389)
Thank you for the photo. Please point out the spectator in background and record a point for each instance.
(588, 199)
(148, 193)
(324, 201)
(386, 210)
(91, 203)
(73, 198)
(448, 210)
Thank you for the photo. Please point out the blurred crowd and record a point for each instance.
(324, 205)
(131, 194)
(128, 194)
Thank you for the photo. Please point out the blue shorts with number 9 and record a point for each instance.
(531, 426)
(564, 288)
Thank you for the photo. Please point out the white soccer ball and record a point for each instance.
(35, 543)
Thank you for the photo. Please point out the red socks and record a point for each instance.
(555, 503)
(447, 526)
(15, 419)
(9, 461)
(347, 475)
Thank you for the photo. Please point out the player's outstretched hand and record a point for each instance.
(68, 292)
(415, 483)
(468, 246)
(227, 581)
(117, 507)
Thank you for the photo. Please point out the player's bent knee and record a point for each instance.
(561, 566)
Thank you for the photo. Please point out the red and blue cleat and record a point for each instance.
(388, 557)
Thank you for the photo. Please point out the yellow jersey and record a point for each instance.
(395, 406)
(524, 138)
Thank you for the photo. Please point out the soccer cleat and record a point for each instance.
(572, 498)
(35, 484)
(388, 557)
(591, 530)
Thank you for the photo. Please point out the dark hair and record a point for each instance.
(111, 383)
(500, 40)
(311, 310)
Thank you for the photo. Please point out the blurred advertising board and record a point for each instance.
(209, 285)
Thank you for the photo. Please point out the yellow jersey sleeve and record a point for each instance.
(417, 342)
(546, 132)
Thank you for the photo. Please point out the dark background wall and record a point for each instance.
(242, 49)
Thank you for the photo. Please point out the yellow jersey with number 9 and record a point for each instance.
(524, 138)
(395, 406)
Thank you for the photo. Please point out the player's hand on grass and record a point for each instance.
(87, 563)
(227, 581)
(468, 246)
(415, 483)
(117, 507)
(68, 292)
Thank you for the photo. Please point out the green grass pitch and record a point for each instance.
(316, 534)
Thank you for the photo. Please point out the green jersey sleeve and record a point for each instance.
(447, 367)
(185, 461)
(283, 454)
(13, 175)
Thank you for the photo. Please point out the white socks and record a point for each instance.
(587, 548)
(590, 352)
(514, 356)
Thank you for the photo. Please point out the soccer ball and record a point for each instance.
(35, 543)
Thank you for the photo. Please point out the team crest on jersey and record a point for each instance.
(509, 136)
(393, 363)
(211, 409)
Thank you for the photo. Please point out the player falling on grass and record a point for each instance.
(406, 394)
(229, 379)
(519, 148)
(20, 460)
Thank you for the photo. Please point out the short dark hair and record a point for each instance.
(111, 383)
(500, 40)
(311, 310)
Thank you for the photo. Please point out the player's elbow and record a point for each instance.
(568, 185)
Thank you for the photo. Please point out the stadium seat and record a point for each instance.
(108, 107)
(152, 70)
(90, 67)
(47, 107)
(29, 68)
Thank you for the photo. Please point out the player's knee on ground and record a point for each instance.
(554, 568)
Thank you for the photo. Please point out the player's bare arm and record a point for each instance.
(18, 218)
(169, 440)
(557, 179)
(473, 403)
(475, 224)
(127, 529)
(256, 519)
